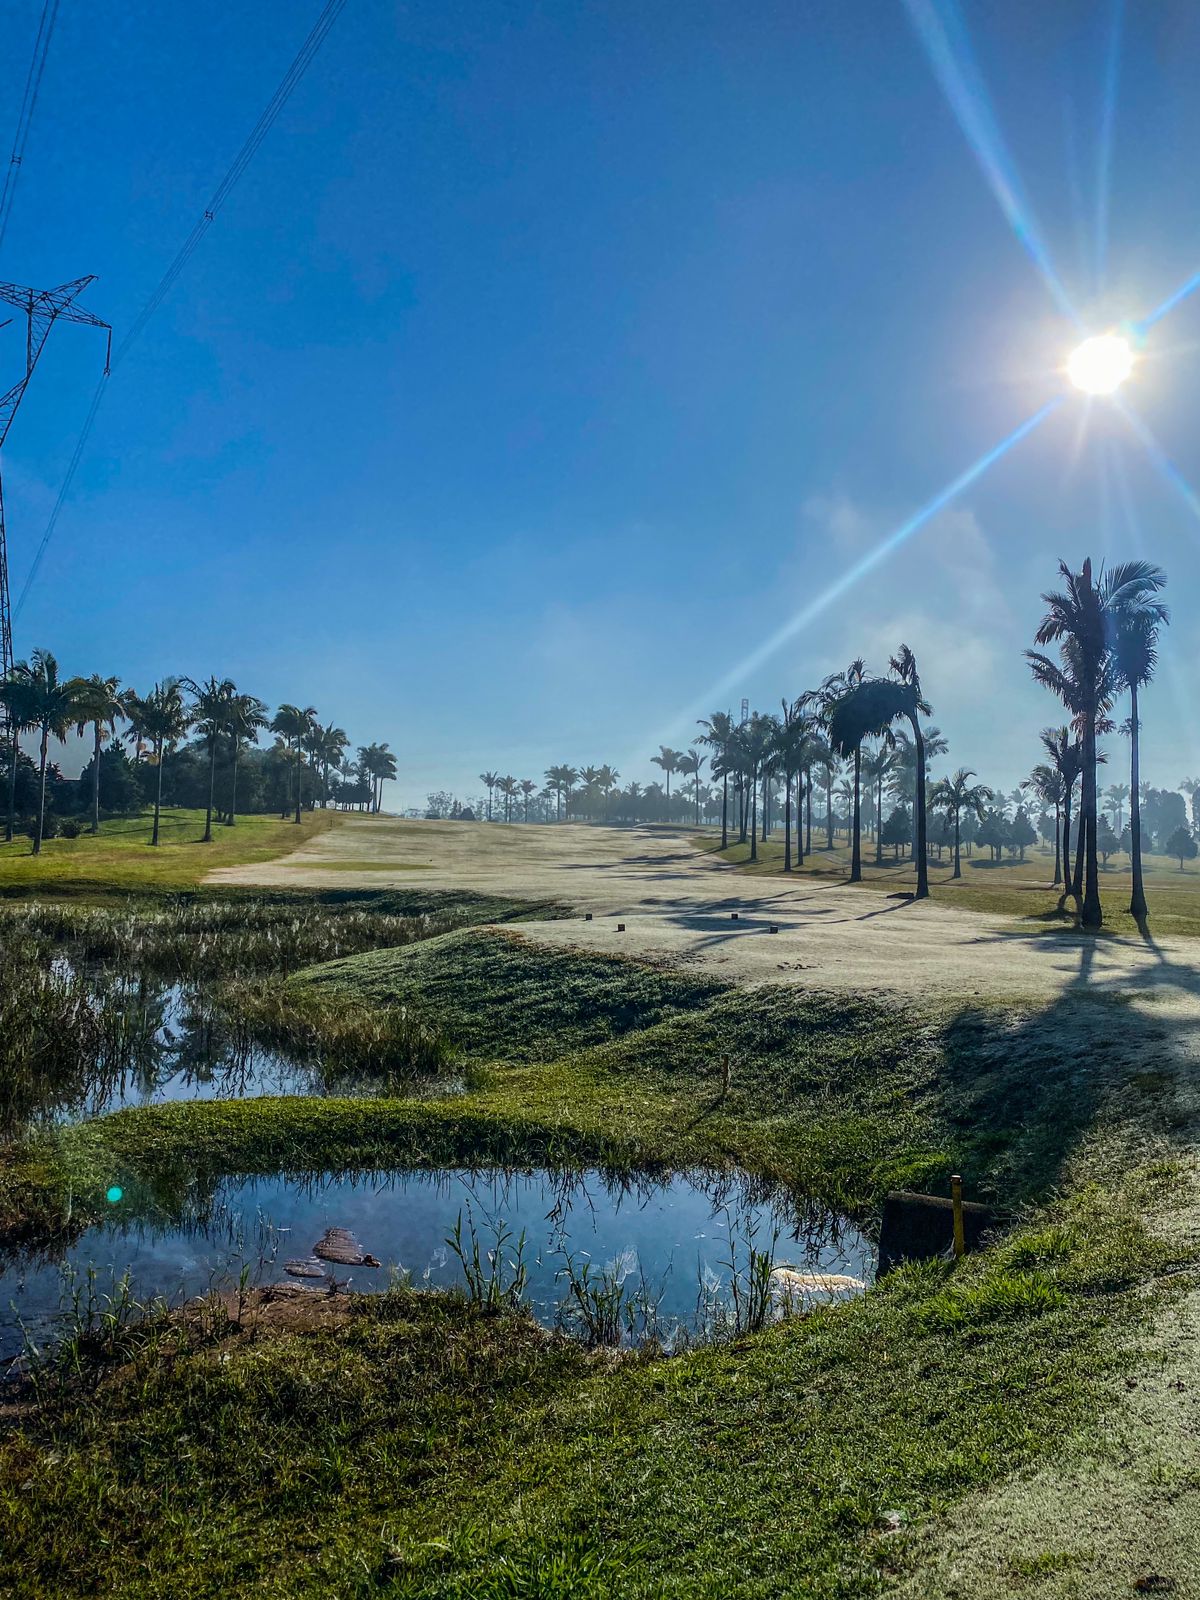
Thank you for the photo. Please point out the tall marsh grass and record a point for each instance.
(214, 938)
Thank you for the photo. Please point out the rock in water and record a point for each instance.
(341, 1247)
(304, 1269)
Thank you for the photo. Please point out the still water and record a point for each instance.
(676, 1242)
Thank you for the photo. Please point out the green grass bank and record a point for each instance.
(409, 1445)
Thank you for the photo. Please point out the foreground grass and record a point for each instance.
(409, 1446)
(1009, 889)
(412, 1446)
(120, 858)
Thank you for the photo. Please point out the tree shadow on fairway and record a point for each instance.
(1026, 1090)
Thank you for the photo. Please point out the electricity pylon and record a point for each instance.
(42, 308)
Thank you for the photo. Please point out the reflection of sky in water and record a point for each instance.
(175, 1048)
(672, 1235)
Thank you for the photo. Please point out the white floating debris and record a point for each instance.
(787, 1281)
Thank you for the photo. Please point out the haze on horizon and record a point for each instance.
(542, 365)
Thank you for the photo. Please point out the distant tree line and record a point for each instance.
(852, 757)
(182, 744)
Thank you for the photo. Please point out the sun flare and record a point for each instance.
(1101, 364)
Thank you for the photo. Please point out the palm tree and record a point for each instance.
(668, 760)
(690, 765)
(1115, 797)
(1083, 681)
(754, 740)
(881, 765)
(101, 707)
(608, 779)
(866, 710)
(904, 667)
(294, 724)
(245, 715)
(1134, 618)
(489, 781)
(831, 694)
(325, 746)
(55, 706)
(17, 699)
(378, 765)
(1066, 757)
(718, 736)
(956, 795)
(792, 741)
(528, 789)
(210, 714)
(1045, 781)
(161, 720)
(508, 788)
(562, 780)
(1084, 620)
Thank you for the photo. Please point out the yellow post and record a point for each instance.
(956, 1200)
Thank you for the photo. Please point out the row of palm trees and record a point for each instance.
(1106, 626)
(508, 788)
(36, 698)
(813, 733)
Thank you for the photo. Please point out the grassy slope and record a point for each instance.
(1010, 889)
(421, 1450)
(120, 859)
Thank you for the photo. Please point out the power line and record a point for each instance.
(33, 84)
(208, 216)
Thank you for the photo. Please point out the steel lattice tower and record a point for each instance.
(42, 309)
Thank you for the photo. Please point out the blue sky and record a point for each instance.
(547, 359)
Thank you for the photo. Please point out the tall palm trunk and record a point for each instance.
(1137, 900)
(41, 819)
(157, 792)
(855, 841)
(296, 818)
(212, 787)
(957, 873)
(1057, 844)
(800, 817)
(879, 820)
(96, 782)
(828, 808)
(1066, 839)
(808, 789)
(766, 804)
(724, 811)
(919, 830)
(233, 785)
(787, 821)
(1091, 915)
(753, 815)
(14, 749)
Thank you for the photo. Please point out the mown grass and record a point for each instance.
(492, 994)
(120, 858)
(415, 1448)
(1008, 888)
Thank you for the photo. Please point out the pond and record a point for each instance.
(674, 1245)
(173, 1044)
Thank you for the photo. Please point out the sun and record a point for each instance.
(1100, 364)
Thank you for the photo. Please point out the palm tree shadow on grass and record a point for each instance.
(1026, 1090)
